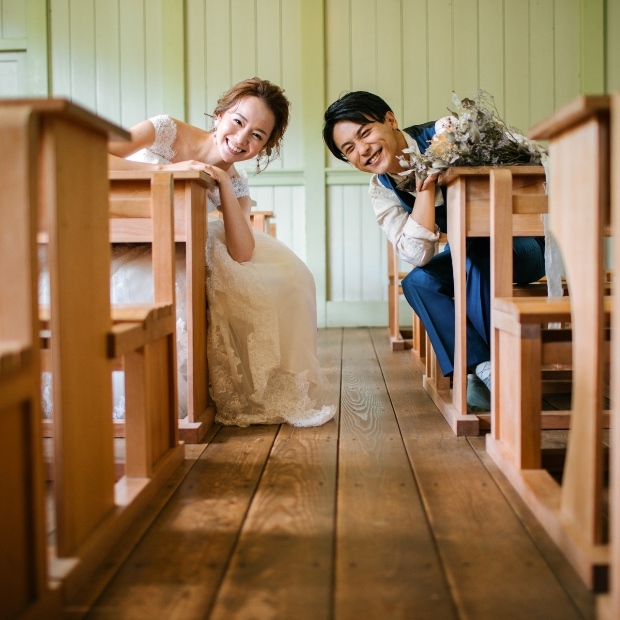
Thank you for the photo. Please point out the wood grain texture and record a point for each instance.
(176, 568)
(451, 542)
(582, 597)
(475, 531)
(386, 561)
(283, 561)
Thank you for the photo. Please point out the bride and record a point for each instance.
(261, 302)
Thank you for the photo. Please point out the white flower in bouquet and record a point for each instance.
(473, 135)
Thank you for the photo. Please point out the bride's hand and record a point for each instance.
(215, 173)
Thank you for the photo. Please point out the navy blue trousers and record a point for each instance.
(430, 292)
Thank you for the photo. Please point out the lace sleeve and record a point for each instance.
(240, 185)
(165, 135)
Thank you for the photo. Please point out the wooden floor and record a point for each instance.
(381, 513)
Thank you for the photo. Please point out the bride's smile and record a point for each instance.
(243, 131)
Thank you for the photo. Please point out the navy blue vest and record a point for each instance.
(422, 135)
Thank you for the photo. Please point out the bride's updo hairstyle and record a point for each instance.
(274, 99)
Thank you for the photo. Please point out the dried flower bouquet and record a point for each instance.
(473, 135)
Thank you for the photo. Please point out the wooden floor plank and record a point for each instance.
(583, 598)
(387, 565)
(494, 568)
(283, 562)
(175, 570)
(382, 513)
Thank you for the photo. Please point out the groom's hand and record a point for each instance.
(427, 183)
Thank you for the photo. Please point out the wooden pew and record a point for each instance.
(414, 338)
(144, 337)
(468, 208)
(261, 220)
(129, 192)
(572, 512)
(24, 584)
(551, 349)
(399, 338)
(92, 512)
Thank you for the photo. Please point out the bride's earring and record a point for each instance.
(260, 158)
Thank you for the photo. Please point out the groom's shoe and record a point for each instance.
(478, 395)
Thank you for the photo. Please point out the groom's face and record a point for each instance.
(372, 147)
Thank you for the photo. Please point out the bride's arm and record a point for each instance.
(236, 215)
(142, 137)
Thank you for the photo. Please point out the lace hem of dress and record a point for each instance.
(165, 135)
(250, 382)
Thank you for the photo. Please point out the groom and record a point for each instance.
(361, 129)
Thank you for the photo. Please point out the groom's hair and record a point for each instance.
(358, 107)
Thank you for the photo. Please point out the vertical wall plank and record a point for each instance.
(312, 101)
(290, 218)
(197, 64)
(389, 46)
(364, 61)
(566, 51)
(219, 74)
(263, 197)
(517, 64)
(373, 280)
(338, 47)
(12, 19)
(132, 63)
(491, 52)
(61, 48)
(37, 34)
(297, 216)
(173, 40)
(593, 46)
(244, 43)
(541, 60)
(82, 33)
(107, 59)
(338, 53)
(337, 227)
(268, 41)
(352, 244)
(612, 66)
(291, 26)
(269, 48)
(415, 81)
(440, 55)
(154, 53)
(466, 37)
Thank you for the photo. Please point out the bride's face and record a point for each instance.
(243, 131)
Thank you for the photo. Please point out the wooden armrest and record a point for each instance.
(146, 175)
(137, 325)
(534, 309)
(140, 313)
(540, 309)
(261, 212)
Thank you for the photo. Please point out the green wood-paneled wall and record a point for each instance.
(129, 59)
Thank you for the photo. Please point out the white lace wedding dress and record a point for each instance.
(261, 347)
